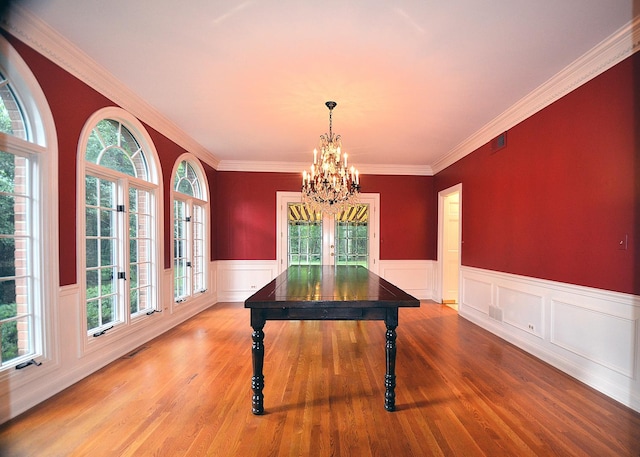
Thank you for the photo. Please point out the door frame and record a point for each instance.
(442, 195)
(284, 198)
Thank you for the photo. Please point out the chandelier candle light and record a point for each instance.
(330, 186)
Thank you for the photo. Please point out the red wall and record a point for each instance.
(246, 214)
(555, 202)
(408, 216)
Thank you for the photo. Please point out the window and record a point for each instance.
(120, 222)
(28, 217)
(190, 210)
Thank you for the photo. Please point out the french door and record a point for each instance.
(308, 238)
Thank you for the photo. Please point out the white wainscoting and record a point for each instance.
(415, 277)
(239, 279)
(590, 334)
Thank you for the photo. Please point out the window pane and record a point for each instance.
(107, 193)
(133, 225)
(93, 284)
(92, 252)
(133, 301)
(7, 177)
(108, 278)
(91, 222)
(91, 190)
(116, 159)
(133, 276)
(7, 257)
(11, 118)
(94, 148)
(108, 308)
(93, 314)
(9, 336)
(144, 274)
(107, 223)
(143, 299)
(107, 250)
(8, 299)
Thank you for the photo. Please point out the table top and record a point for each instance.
(324, 286)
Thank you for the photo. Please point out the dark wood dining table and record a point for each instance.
(322, 292)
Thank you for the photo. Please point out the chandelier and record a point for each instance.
(330, 186)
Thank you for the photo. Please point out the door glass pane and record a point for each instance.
(304, 236)
(352, 236)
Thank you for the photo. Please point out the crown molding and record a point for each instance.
(41, 37)
(611, 51)
(297, 167)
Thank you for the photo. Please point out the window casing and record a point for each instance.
(28, 218)
(120, 237)
(190, 210)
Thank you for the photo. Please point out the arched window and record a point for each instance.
(190, 228)
(28, 217)
(120, 234)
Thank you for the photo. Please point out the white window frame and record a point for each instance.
(41, 148)
(126, 323)
(190, 202)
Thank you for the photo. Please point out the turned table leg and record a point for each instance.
(257, 356)
(391, 322)
(390, 376)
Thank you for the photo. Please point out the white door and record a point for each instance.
(348, 238)
(449, 244)
(451, 248)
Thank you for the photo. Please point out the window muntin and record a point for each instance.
(120, 237)
(189, 231)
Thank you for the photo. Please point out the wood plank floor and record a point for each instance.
(461, 391)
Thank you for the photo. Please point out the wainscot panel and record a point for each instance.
(590, 334)
(415, 277)
(239, 279)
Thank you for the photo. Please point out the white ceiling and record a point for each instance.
(413, 79)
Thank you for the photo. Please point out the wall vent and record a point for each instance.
(499, 142)
(495, 313)
(135, 352)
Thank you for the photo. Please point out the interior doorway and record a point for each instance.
(450, 244)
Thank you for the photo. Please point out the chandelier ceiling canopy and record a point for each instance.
(330, 186)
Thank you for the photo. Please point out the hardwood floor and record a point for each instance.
(460, 391)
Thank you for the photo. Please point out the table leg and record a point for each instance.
(390, 377)
(257, 381)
